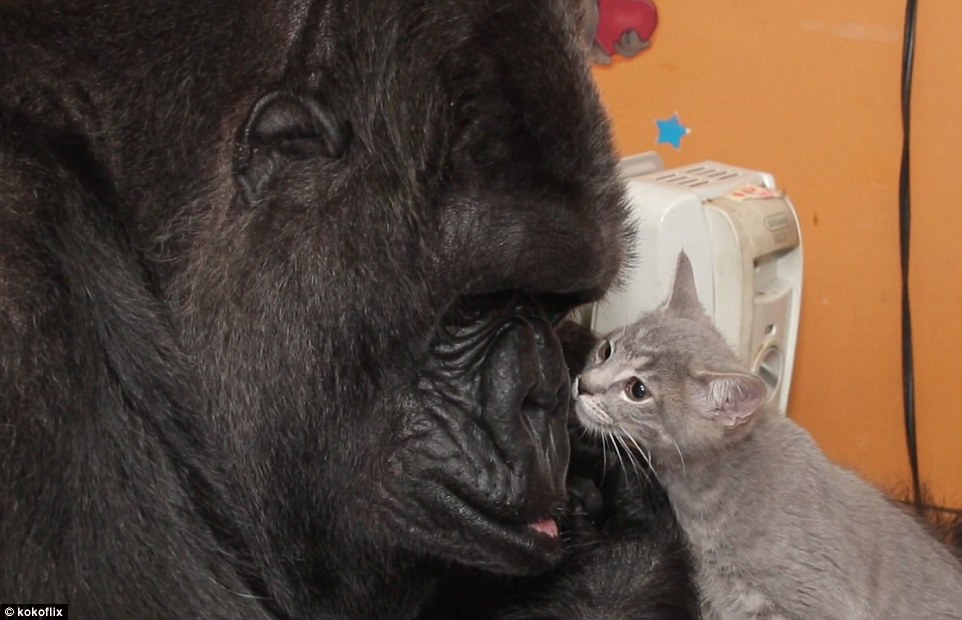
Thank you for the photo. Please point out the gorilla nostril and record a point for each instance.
(542, 398)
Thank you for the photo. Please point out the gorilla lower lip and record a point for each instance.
(548, 527)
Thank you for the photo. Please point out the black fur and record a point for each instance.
(278, 281)
(626, 557)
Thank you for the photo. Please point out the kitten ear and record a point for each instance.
(730, 397)
(683, 300)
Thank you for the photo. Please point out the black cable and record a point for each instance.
(905, 227)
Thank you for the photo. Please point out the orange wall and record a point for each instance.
(810, 92)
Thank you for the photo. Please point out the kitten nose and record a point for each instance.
(580, 389)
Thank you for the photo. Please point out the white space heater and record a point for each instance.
(742, 236)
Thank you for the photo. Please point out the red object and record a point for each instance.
(616, 17)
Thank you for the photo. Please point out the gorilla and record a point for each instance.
(279, 289)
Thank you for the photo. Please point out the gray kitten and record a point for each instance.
(777, 530)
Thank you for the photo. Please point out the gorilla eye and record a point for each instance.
(604, 352)
(636, 390)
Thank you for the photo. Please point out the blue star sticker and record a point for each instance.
(671, 131)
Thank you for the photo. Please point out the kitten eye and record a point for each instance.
(604, 352)
(636, 390)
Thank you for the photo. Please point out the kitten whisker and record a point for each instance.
(526, 424)
(641, 453)
(614, 444)
(635, 465)
(582, 545)
(678, 450)
(645, 455)
(604, 457)
(554, 446)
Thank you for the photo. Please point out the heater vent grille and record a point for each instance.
(696, 176)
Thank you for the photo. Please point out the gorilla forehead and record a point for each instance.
(487, 135)
(478, 161)
(470, 121)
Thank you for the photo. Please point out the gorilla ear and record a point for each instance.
(286, 125)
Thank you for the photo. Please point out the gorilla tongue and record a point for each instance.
(546, 526)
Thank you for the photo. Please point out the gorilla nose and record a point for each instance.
(543, 369)
(525, 398)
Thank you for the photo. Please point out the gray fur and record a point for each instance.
(778, 530)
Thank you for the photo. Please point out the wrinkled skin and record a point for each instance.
(279, 283)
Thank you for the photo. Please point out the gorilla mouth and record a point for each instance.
(519, 546)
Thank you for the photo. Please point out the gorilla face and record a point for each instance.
(345, 232)
(380, 296)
